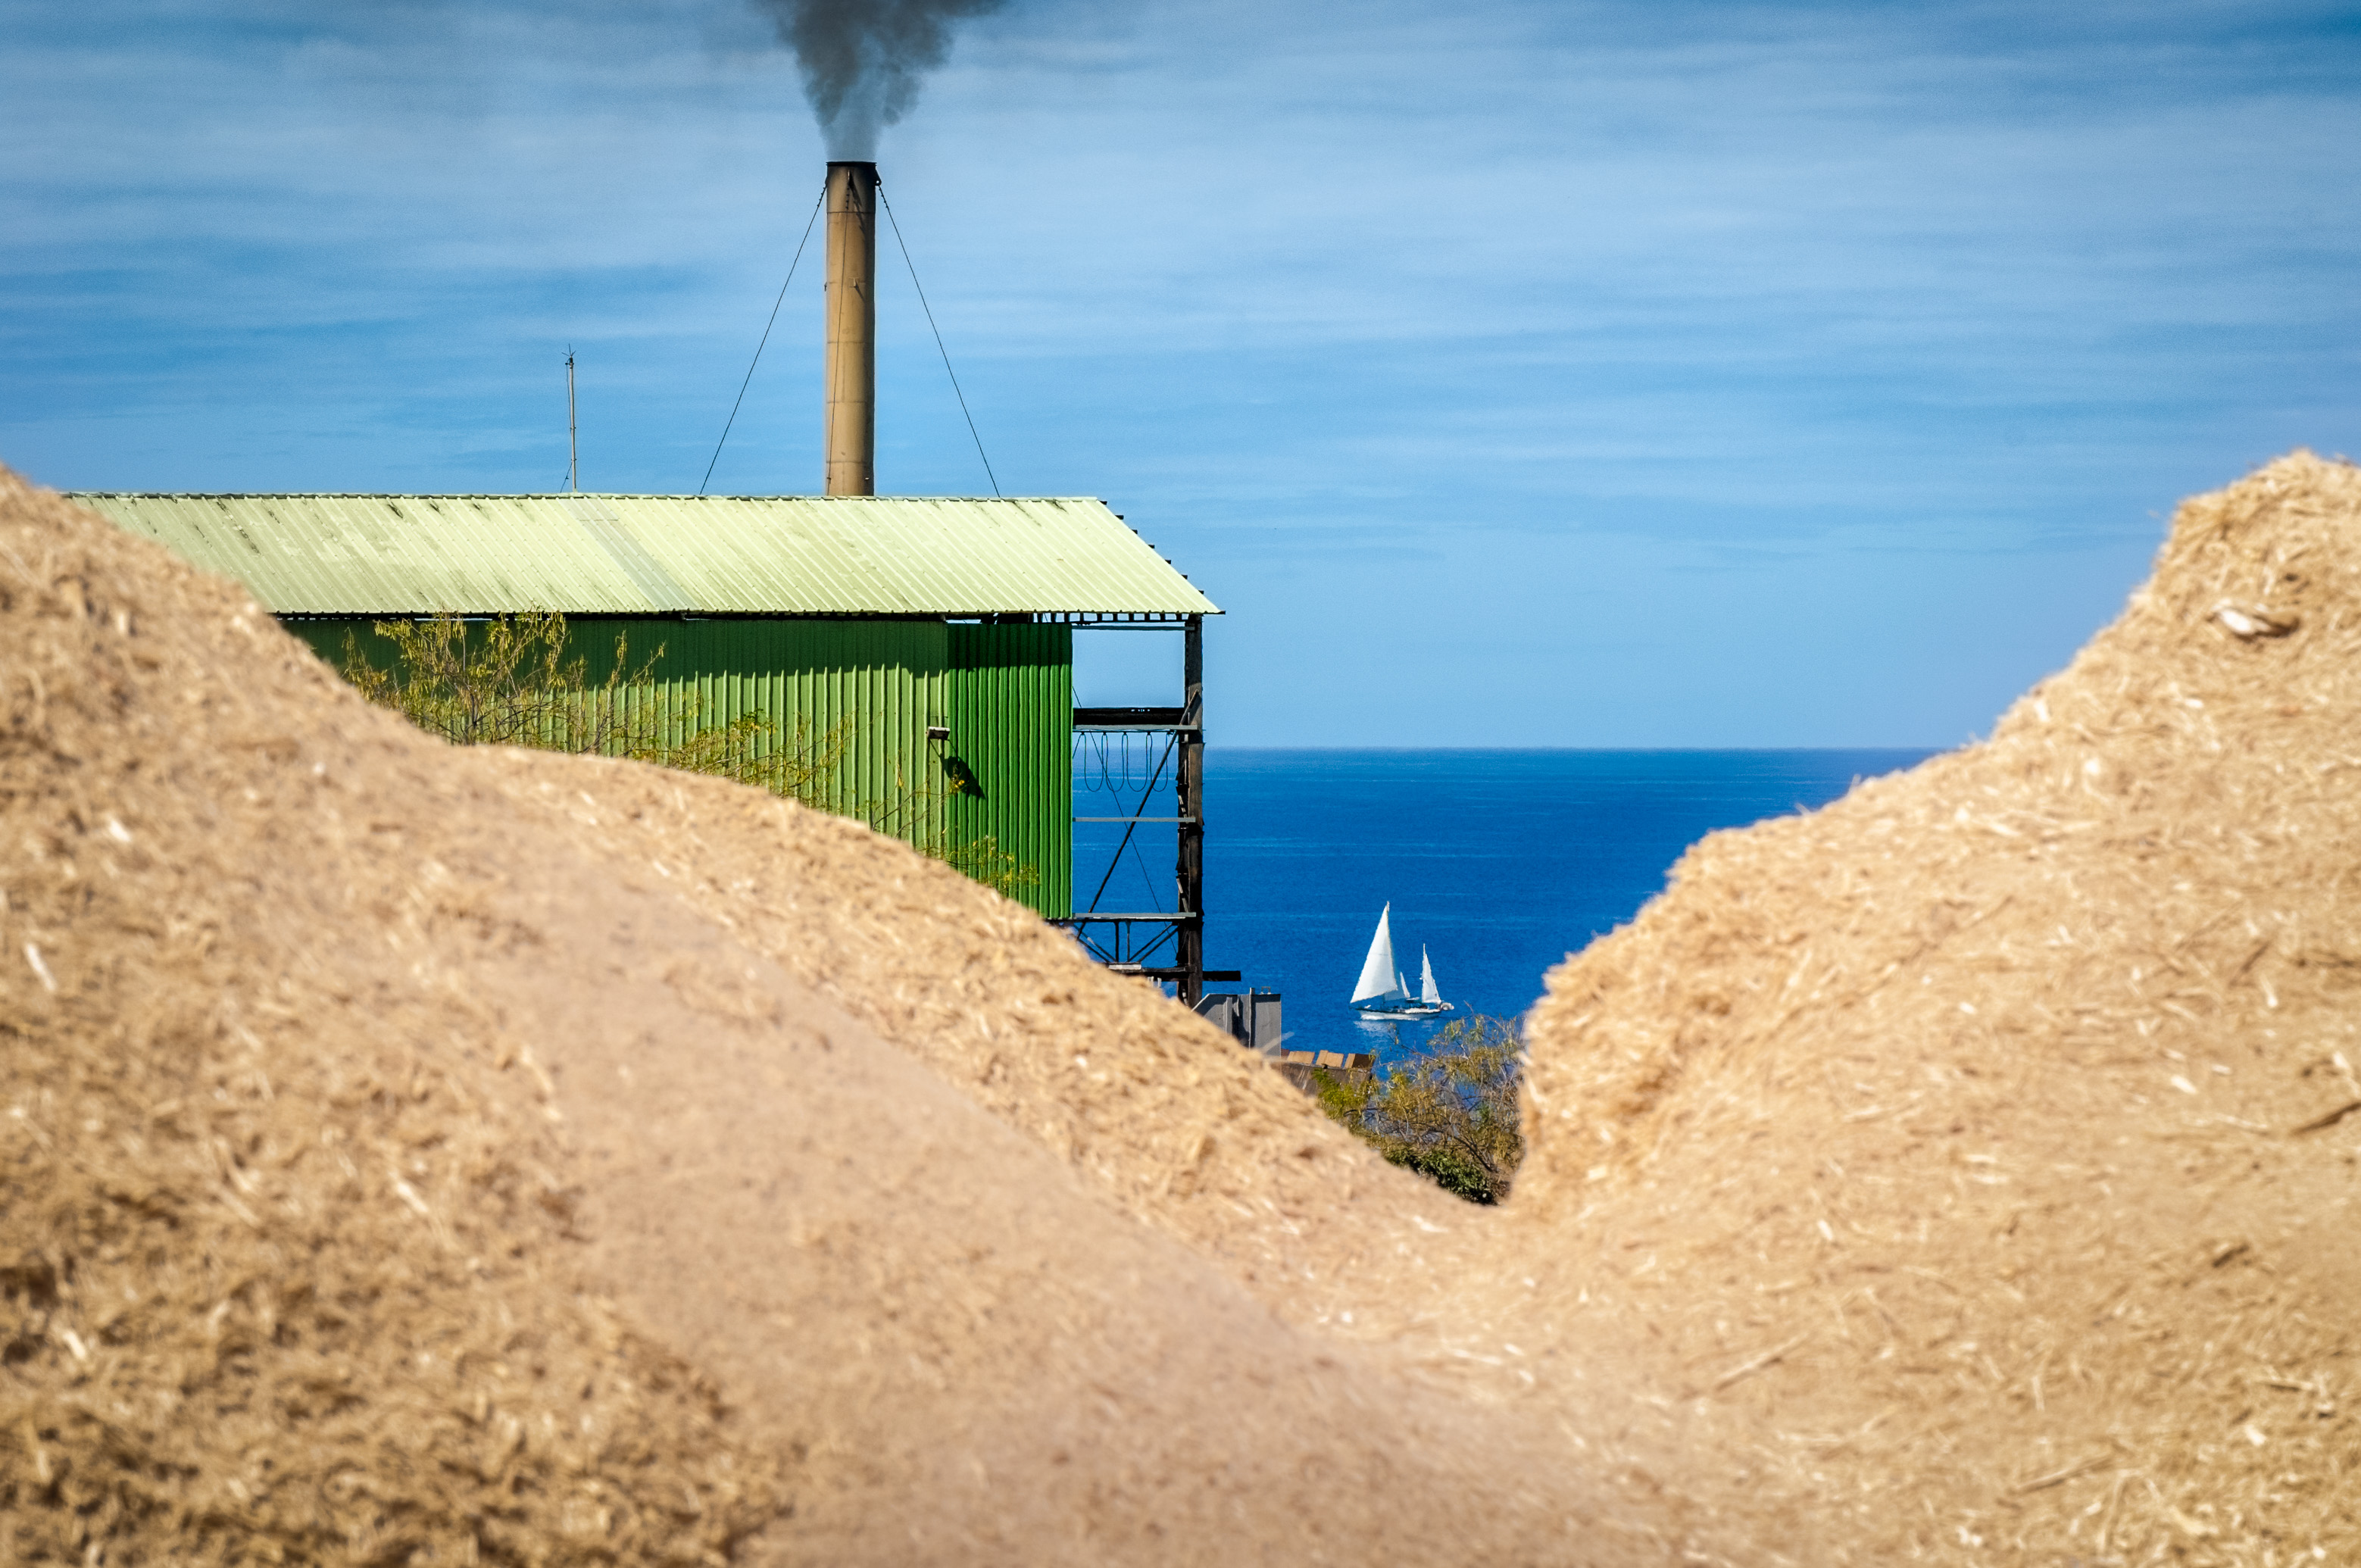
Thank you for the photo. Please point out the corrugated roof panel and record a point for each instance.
(633, 554)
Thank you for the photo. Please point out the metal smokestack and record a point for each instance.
(851, 370)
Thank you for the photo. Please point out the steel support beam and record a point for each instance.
(1191, 802)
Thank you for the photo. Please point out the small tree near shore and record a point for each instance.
(1448, 1112)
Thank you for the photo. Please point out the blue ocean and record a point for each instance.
(1497, 863)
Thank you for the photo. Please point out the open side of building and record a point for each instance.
(929, 640)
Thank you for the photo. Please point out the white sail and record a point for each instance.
(1426, 991)
(1378, 980)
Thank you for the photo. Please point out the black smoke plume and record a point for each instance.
(864, 59)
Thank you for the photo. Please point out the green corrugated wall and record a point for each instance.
(1005, 692)
(1011, 691)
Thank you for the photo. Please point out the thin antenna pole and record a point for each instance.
(572, 445)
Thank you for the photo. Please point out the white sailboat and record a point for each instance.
(1427, 995)
(1381, 992)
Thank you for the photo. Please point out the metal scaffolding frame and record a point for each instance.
(1128, 946)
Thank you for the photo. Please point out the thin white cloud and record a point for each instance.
(1865, 286)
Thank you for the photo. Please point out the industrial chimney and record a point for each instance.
(851, 304)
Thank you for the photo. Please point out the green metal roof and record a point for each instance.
(583, 554)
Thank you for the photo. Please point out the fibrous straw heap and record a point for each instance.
(440, 1156)
(1975, 1147)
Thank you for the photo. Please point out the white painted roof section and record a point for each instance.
(606, 555)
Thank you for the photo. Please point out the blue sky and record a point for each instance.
(1650, 374)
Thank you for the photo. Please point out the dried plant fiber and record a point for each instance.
(1979, 1152)
(428, 1156)
(422, 1155)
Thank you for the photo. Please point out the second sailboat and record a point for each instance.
(1382, 992)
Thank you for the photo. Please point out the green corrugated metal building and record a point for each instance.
(876, 619)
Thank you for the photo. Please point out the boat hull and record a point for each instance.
(1403, 1010)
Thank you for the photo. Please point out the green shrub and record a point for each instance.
(1448, 1112)
(508, 681)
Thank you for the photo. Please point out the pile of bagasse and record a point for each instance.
(420, 1155)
